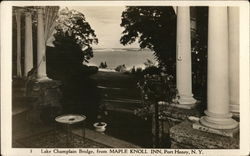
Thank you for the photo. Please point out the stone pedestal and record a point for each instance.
(177, 115)
(184, 136)
(48, 101)
(169, 112)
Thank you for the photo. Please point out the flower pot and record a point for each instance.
(100, 126)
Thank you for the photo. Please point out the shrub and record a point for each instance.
(103, 65)
(121, 68)
(158, 88)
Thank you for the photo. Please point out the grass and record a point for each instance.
(122, 125)
(118, 85)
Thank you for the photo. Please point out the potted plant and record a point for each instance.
(100, 126)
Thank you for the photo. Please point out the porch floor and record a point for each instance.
(33, 130)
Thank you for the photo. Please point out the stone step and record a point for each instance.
(105, 139)
(18, 82)
(19, 119)
(17, 89)
(23, 100)
(21, 107)
(18, 92)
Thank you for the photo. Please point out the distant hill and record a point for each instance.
(130, 57)
(119, 49)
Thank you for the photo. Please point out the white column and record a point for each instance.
(28, 54)
(217, 113)
(233, 15)
(184, 70)
(18, 56)
(41, 57)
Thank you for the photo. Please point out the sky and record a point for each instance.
(105, 20)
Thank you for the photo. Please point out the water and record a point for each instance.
(116, 57)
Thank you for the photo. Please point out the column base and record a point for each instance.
(224, 132)
(43, 79)
(234, 108)
(48, 104)
(184, 106)
(217, 121)
(186, 102)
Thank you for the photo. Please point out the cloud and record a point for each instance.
(105, 20)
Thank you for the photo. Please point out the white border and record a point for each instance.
(6, 60)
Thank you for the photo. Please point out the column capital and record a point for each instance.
(27, 13)
(39, 11)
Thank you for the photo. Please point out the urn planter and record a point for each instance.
(100, 126)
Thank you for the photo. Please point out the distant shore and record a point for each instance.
(130, 57)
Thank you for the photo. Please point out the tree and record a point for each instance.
(199, 55)
(73, 40)
(103, 65)
(155, 28)
(73, 31)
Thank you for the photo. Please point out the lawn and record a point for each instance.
(121, 96)
(118, 85)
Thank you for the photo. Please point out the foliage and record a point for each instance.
(149, 63)
(73, 33)
(121, 68)
(103, 65)
(157, 88)
(152, 70)
(199, 55)
(73, 40)
(154, 28)
(138, 72)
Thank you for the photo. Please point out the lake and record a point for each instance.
(115, 57)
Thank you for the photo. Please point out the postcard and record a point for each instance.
(125, 78)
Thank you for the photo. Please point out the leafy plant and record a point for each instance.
(103, 65)
(73, 32)
(121, 68)
(153, 27)
(157, 88)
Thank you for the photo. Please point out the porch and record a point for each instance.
(223, 85)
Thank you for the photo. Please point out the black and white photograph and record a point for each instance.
(128, 77)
